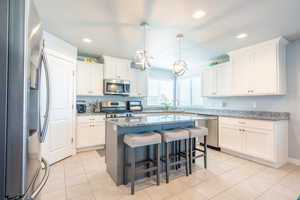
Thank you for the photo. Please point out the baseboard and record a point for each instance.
(90, 148)
(294, 161)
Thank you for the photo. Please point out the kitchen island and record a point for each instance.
(115, 151)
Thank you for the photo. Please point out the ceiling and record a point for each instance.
(113, 25)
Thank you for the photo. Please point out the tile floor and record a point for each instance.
(83, 177)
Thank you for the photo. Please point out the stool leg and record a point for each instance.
(175, 154)
(205, 152)
(186, 157)
(132, 159)
(179, 150)
(190, 155)
(125, 178)
(167, 162)
(194, 147)
(157, 164)
(148, 157)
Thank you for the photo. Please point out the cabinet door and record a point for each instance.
(241, 72)
(122, 70)
(139, 83)
(265, 69)
(259, 143)
(96, 77)
(83, 132)
(231, 138)
(83, 78)
(209, 82)
(224, 80)
(110, 68)
(98, 134)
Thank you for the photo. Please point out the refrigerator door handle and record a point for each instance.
(43, 181)
(44, 127)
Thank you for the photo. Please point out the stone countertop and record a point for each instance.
(89, 114)
(154, 120)
(259, 115)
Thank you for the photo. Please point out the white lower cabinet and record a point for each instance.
(260, 140)
(90, 132)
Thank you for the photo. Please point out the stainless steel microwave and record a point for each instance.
(116, 87)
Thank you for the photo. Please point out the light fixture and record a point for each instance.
(87, 40)
(180, 66)
(241, 36)
(141, 58)
(199, 14)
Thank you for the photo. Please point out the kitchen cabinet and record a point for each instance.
(252, 71)
(116, 68)
(260, 69)
(260, 140)
(217, 80)
(224, 79)
(89, 79)
(209, 82)
(139, 83)
(90, 132)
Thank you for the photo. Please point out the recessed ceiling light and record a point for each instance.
(87, 40)
(242, 35)
(199, 14)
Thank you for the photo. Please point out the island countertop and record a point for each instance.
(154, 120)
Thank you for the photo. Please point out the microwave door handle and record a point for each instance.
(44, 127)
(43, 181)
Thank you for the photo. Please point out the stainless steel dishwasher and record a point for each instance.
(213, 131)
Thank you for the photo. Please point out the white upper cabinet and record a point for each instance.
(116, 68)
(217, 80)
(260, 69)
(224, 79)
(139, 83)
(209, 82)
(89, 78)
(252, 71)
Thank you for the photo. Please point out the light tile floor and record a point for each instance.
(84, 177)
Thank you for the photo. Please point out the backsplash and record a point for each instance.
(91, 100)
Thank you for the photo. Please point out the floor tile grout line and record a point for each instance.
(278, 183)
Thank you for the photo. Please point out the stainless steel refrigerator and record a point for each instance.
(23, 173)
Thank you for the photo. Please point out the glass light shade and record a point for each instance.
(179, 67)
(142, 60)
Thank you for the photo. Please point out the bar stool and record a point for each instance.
(197, 132)
(174, 136)
(139, 140)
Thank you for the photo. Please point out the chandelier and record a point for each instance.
(180, 66)
(141, 58)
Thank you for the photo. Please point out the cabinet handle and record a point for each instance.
(242, 122)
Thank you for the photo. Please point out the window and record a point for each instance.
(160, 91)
(189, 91)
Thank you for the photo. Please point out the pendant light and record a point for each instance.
(180, 66)
(141, 58)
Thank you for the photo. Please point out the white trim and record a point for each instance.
(60, 55)
(294, 161)
(251, 158)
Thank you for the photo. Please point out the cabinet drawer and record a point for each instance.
(91, 118)
(249, 123)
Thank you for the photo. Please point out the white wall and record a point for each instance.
(288, 103)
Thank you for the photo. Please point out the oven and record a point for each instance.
(135, 106)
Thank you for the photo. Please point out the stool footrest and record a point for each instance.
(142, 163)
(142, 171)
